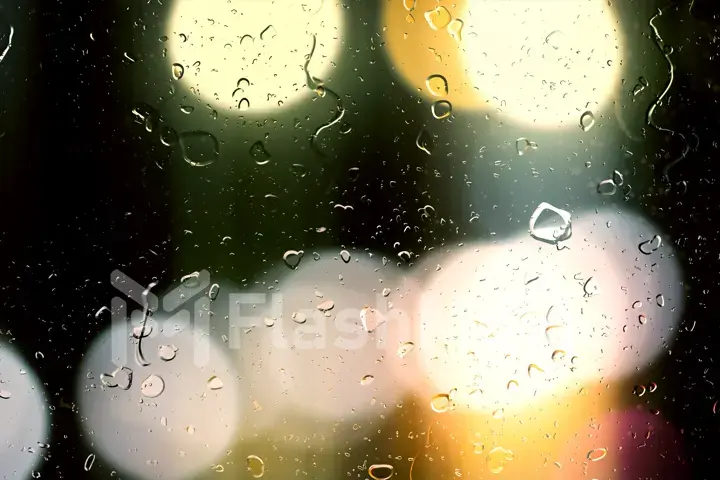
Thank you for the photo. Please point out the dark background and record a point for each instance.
(83, 195)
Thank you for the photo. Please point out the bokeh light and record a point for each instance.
(538, 62)
(23, 416)
(250, 56)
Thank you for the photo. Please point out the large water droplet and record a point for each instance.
(381, 471)
(440, 403)
(120, 377)
(199, 148)
(187, 109)
(587, 120)
(437, 85)
(177, 71)
(292, 258)
(441, 109)
(649, 246)
(259, 154)
(424, 141)
(168, 136)
(618, 178)
(326, 306)
(89, 462)
(597, 454)
(660, 300)
(438, 18)
(214, 383)
(497, 458)
(255, 466)
(167, 352)
(455, 28)
(5, 394)
(405, 348)
(371, 319)
(551, 233)
(367, 380)
(607, 187)
(524, 146)
(345, 256)
(153, 386)
(409, 5)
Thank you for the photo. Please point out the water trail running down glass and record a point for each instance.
(666, 51)
(139, 358)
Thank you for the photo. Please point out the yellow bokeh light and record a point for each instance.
(538, 62)
(252, 56)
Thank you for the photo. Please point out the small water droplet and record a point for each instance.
(167, 352)
(354, 174)
(499, 413)
(437, 85)
(371, 319)
(558, 355)
(478, 448)
(607, 187)
(512, 385)
(549, 234)
(618, 178)
(649, 246)
(299, 317)
(177, 71)
(381, 471)
(455, 28)
(213, 292)
(405, 348)
(345, 256)
(120, 377)
(597, 454)
(259, 154)
(637, 304)
(587, 120)
(292, 258)
(214, 383)
(199, 148)
(326, 306)
(89, 462)
(190, 429)
(660, 300)
(440, 403)
(255, 466)
(386, 292)
(497, 458)
(5, 394)
(438, 18)
(652, 387)
(639, 390)
(269, 33)
(269, 321)
(168, 136)
(153, 386)
(409, 5)
(218, 468)
(187, 109)
(524, 146)
(367, 380)
(441, 109)
(424, 141)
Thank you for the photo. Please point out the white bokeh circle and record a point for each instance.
(24, 419)
(231, 50)
(179, 433)
(495, 312)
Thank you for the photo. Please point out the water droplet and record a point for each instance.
(213, 292)
(214, 383)
(269, 321)
(438, 18)
(607, 187)
(649, 246)
(4, 394)
(455, 28)
(386, 292)
(120, 377)
(218, 468)
(642, 319)
(354, 174)
(597, 454)
(89, 462)
(292, 258)
(437, 85)
(244, 104)
(269, 33)
(512, 385)
(199, 148)
(345, 256)
(367, 380)
(405, 256)
(187, 109)
(549, 234)
(643, 81)
(299, 317)
(255, 466)
(177, 71)
(478, 448)
(183, 38)
(652, 387)
(35, 474)
(326, 306)
(371, 319)
(381, 471)
(167, 352)
(558, 355)
(618, 178)
(440, 403)
(499, 413)
(524, 146)
(441, 109)
(190, 429)
(409, 5)
(534, 370)
(587, 120)
(153, 386)
(497, 458)
(405, 348)
(259, 154)
(168, 136)
(424, 141)
(660, 300)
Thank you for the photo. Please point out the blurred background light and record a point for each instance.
(23, 416)
(320, 365)
(176, 427)
(523, 320)
(250, 56)
(539, 62)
